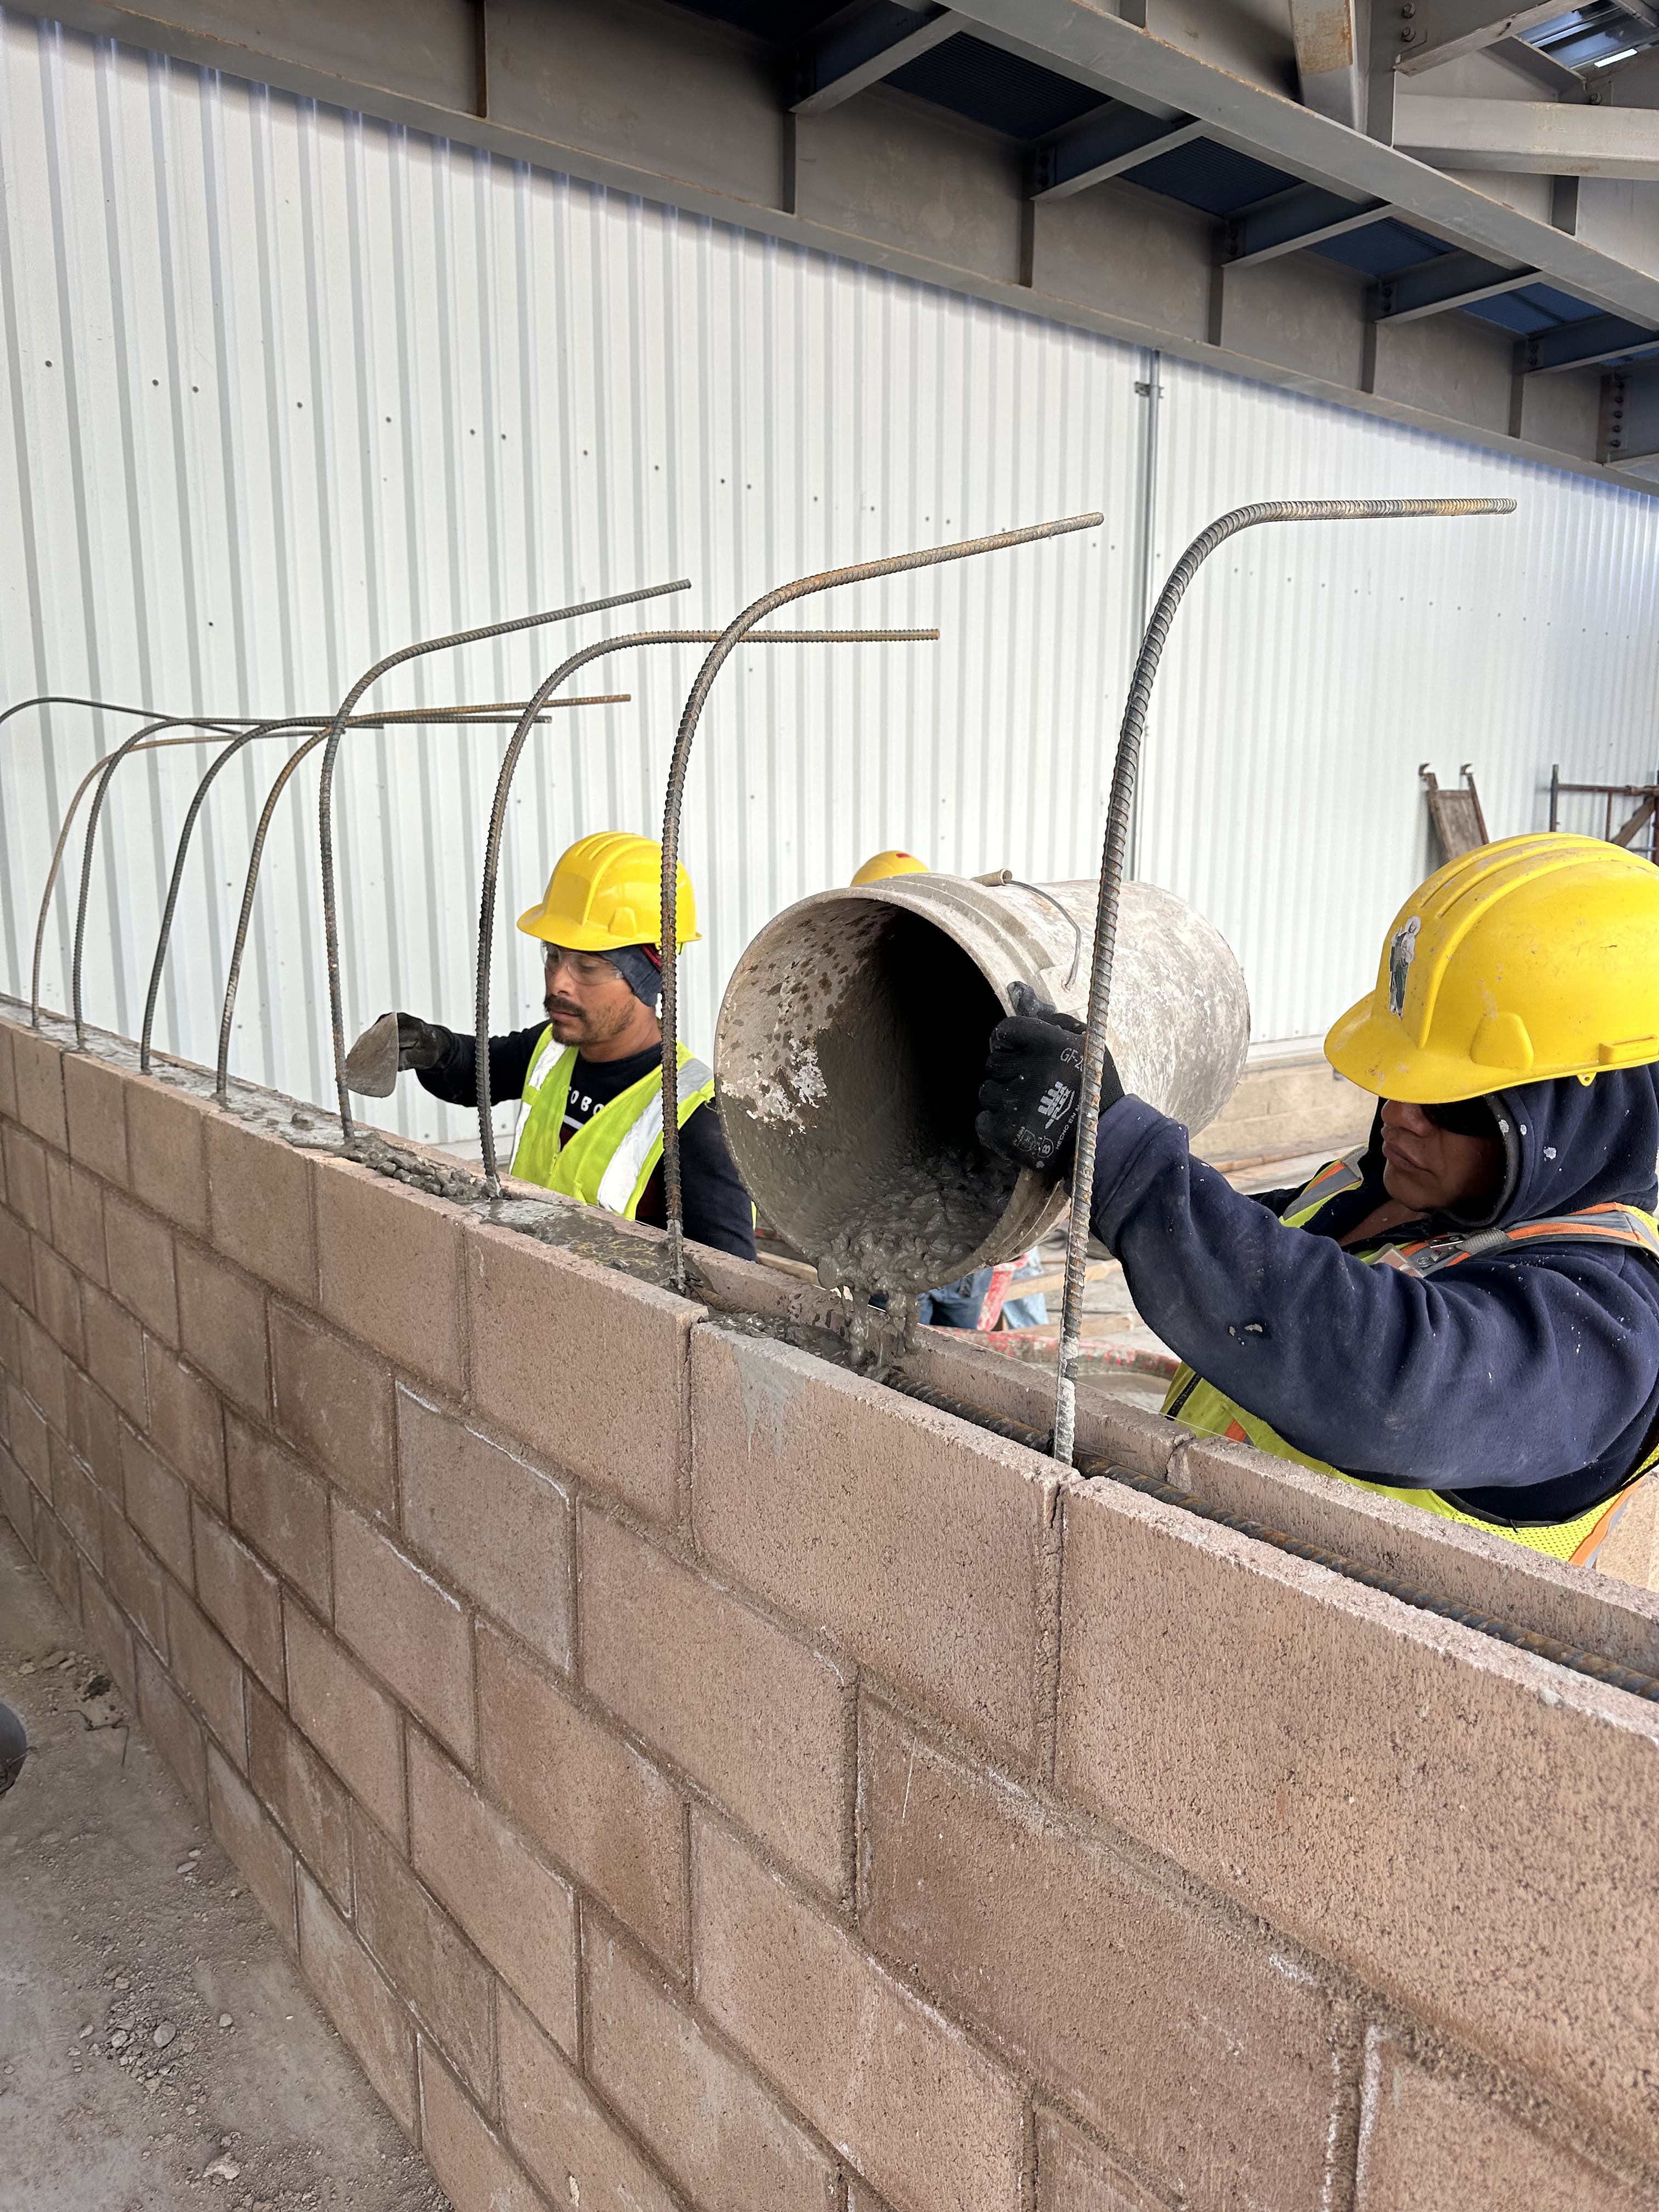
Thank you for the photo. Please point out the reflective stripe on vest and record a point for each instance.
(1201, 1406)
(612, 1158)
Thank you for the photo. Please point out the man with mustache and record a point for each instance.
(591, 1078)
(1465, 1314)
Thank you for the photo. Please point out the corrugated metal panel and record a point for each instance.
(288, 388)
(1313, 666)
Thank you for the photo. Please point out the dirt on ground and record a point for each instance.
(157, 2046)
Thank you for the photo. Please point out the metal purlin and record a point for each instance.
(1119, 818)
(498, 814)
(860, 572)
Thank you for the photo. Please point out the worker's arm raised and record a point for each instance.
(453, 1075)
(1510, 1371)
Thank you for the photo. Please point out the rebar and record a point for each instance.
(1119, 816)
(279, 782)
(325, 789)
(485, 716)
(498, 814)
(732, 636)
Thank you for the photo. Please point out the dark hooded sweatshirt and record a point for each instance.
(1532, 1371)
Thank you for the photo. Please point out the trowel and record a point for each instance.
(371, 1065)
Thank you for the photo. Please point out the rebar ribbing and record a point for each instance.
(486, 716)
(1092, 1469)
(1119, 814)
(279, 784)
(498, 815)
(331, 746)
(732, 636)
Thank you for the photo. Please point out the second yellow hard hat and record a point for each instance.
(607, 891)
(880, 865)
(1534, 957)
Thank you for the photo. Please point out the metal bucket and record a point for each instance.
(851, 1043)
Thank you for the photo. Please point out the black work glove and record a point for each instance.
(1033, 1081)
(421, 1044)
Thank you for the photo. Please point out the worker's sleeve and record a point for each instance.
(455, 1076)
(718, 1211)
(1505, 1371)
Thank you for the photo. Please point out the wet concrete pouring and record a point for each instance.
(157, 2046)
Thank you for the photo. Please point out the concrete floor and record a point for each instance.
(121, 1920)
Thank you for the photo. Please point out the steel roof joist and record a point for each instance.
(862, 49)
(1583, 345)
(1466, 27)
(1436, 287)
(1117, 140)
(1294, 220)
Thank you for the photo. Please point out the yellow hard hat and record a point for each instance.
(1534, 957)
(880, 865)
(607, 891)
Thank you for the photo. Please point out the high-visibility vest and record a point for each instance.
(1199, 1405)
(612, 1158)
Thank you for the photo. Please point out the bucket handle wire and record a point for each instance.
(1119, 811)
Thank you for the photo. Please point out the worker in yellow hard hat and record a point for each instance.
(879, 866)
(1464, 1313)
(590, 1076)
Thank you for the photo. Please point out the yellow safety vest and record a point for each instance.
(612, 1158)
(1199, 1405)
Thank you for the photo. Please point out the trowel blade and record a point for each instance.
(372, 1063)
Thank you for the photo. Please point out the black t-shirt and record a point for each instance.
(717, 1207)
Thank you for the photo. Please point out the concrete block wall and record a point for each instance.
(690, 1775)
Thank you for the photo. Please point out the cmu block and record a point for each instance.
(312, 1807)
(475, 2173)
(172, 1727)
(408, 1628)
(1210, 2060)
(38, 1067)
(585, 1365)
(935, 2124)
(1278, 1730)
(57, 1300)
(136, 1582)
(761, 1721)
(917, 1543)
(95, 1430)
(359, 2001)
(603, 1812)
(158, 1506)
(139, 1250)
(40, 1365)
(494, 1527)
(77, 1215)
(78, 1503)
(334, 1406)
(107, 1630)
(16, 1270)
(221, 1327)
(448, 1988)
(282, 1508)
(1434, 2145)
(350, 1720)
(167, 1158)
(254, 1843)
(389, 1263)
(30, 1439)
(184, 1424)
(59, 1560)
(1074, 2175)
(726, 2139)
(7, 1070)
(210, 1673)
(519, 1913)
(260, 1206)
(28, 1187)
(115, 1353)
(560, 2130)
(96, 1110)
(240, 1593)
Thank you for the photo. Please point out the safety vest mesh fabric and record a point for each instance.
(1199, 1405)
(612, 1158)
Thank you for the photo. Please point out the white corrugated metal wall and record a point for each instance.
(288, 388)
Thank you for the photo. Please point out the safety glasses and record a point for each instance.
(1463, 1117)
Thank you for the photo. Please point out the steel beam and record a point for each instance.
(864, 48)
(1328, 59)
(1435, 287)
(1583, 345)
(1532, 137)
(1451, 28)
(1294, 220)
(1630, 417)
(1108, 144)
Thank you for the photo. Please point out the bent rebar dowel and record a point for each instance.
(331, 748)
(896, 564)
(498, 814)
(1119, 809)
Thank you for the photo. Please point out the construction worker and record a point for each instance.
(880, 865)
(591, 1077)
(1465, 1314)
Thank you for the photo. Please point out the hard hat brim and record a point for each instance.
(584, 935)
(1377, 1053)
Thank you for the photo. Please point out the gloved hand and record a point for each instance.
(1033, 1081)
(421, 1044)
